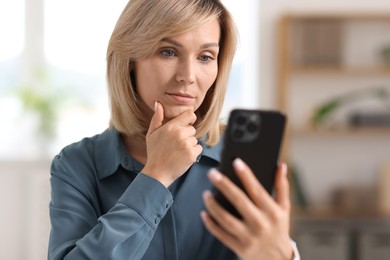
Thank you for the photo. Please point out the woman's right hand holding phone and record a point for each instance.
(263, 230)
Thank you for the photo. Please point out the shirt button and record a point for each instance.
(156, 220)
(167, 205)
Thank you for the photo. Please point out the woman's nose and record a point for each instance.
(186, 72)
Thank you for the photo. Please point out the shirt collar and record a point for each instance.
(213, 152)
(108, 153)
(111, 152)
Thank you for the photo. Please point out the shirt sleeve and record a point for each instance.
(296, 255)
(78, 232)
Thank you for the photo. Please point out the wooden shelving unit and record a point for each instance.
(351, 132)
(341, 71)
(298, 59)
(288, 67)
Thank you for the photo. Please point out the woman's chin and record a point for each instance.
(173, 112)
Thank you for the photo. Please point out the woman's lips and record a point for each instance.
(181, 98)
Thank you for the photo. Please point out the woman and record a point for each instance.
(135, 191)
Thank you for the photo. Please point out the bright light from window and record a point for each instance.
(77, 33)
(11, 28)
(243, 90)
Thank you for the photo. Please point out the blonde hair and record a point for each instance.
(140, 28)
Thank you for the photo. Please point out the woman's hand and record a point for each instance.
(263, 231)
(171, 147)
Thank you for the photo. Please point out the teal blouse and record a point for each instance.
(103, 207)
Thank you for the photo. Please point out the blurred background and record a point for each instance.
(326, 64)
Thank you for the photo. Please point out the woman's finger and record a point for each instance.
(223, 218)
(235, 195)
(256, 192)
(222, 235)
(282, 188)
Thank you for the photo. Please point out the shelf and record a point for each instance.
(342, 132)
(318, 213)
(339, 71)
(375, 16)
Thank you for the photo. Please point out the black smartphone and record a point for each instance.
(255, 136)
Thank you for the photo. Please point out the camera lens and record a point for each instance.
(241, 120)
(252, 127)
(238, 133)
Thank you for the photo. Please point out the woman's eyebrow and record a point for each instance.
(178, 44)
(171, 41)
(209, 45)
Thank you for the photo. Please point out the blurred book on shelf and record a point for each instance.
(316, 42)
(384, 188)
(364, 119)
(356, 199)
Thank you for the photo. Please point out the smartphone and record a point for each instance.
(255, 136)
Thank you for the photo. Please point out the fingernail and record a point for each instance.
(284, 169)
(203, 215)
(155, 105)
(238, 164)
(214, 175)
(206, 194)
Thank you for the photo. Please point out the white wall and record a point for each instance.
(24, 219)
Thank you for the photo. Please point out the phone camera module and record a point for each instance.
(241, 120)
(238, 133)
(252, 127)
(245, 126)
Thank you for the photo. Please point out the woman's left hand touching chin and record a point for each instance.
(263, 231)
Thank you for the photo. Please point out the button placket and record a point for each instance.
(126, 161)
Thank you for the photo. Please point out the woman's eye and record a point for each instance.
(167, 53)
(206, 58)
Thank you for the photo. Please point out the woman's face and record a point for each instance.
(181, 72)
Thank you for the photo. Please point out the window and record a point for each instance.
(57, 50)
(244, 89)
(12, 40)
